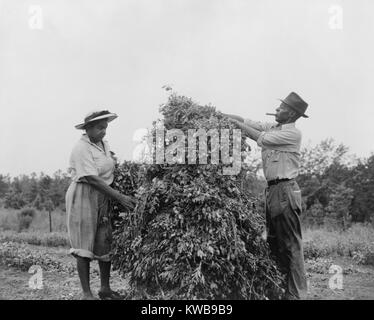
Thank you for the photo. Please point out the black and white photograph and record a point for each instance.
(186, 150)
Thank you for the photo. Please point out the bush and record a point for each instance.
(314, 216)
(25, 217)
(8, 219)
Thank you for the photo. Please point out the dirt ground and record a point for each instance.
(358, 284)
(14, 285)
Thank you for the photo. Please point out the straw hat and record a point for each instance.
(96, 115)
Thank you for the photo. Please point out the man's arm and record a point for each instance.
(250, 132)
(259, 126)
(284, 140)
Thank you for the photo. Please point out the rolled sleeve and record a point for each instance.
(260, 126)
(84, 163)
(260, 139)
(273, 139)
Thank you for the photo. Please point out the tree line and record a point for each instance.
(39, 191)
(336, 187)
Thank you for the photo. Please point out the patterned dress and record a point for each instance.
(88, 219)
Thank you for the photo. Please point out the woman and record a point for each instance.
(87, 202)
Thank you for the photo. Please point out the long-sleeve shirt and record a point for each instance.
(280, 146)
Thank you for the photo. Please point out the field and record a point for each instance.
(351, 252)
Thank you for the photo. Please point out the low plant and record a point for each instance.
(25, 217)
(54, 239)
(357, 242)
(21, 256)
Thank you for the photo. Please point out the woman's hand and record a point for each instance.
(98, 183)
(127, 202)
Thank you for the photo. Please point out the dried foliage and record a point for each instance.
(194, 234)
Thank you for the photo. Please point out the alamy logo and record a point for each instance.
(336, 17)
(36, 280)
(191, 147)
(336, 281)
(35, 17)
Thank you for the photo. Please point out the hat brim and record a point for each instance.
(293, 108)
(110, 117)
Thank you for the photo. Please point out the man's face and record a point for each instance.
(283, 113)
(97, 131)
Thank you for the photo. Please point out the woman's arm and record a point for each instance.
(99, 184)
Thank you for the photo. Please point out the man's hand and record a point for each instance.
(233, 116)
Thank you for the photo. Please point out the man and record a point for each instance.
(280, 145)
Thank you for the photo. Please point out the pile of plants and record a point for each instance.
(195, 233)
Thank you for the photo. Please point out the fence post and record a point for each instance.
(50, 220)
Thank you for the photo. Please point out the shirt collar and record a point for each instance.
(288, 125)
(87, 139)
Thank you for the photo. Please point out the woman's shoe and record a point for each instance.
(110, 295)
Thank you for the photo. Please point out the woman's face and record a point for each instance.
(97, 130)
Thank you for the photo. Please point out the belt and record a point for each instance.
(276, 181)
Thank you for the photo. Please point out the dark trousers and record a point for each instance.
(283, 207)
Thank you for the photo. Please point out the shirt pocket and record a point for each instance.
(105, 164)
(99, 160)
(274, 156)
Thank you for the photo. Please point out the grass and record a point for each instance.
(53, 239)
(38, 232)
(23, 256)
(356, 242)
(9, 221)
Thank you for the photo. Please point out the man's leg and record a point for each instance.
(272, 198)
(272, 238)
(285, 241)
(288, 235)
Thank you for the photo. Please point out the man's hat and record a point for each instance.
(96, 115)
(294, 101)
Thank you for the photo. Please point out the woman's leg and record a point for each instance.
(105, 291)
(102, 247)
(104, 275)
(83, 266)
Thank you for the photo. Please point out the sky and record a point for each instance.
(60, 60)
